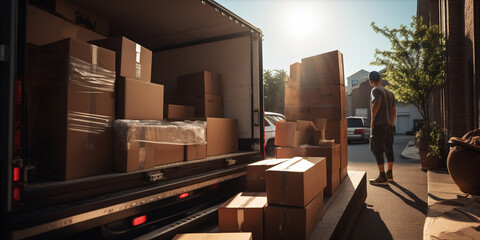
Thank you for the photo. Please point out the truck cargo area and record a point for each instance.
(185, 37)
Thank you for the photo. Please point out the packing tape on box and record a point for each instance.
(138, 66)
(283, 222)
(283, 197)
(240, 219)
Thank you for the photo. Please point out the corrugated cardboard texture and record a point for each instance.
(44, 28)
(194, 152)
(295, 75)
(222, 136)
(207, 105)
(213, 236)
(328, 94)
(323, 69)
(130, 62)
(243, 213)
(296, 181)
(200, 83)
(256, 179)
(70, 118)
(138, 100)
(166, 153)
(180, 111)
(331, 153)
(286, 223)
(338, 130)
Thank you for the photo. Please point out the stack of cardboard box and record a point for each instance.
(294, 193)
(316, 89)
(204, 91)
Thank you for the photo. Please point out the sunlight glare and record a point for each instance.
(300, 21)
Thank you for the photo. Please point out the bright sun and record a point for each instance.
(300, 22)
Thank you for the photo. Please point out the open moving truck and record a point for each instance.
(185, 36)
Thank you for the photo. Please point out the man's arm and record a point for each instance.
(394, 114)
(375, 106)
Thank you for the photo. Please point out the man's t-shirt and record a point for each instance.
(384, 114)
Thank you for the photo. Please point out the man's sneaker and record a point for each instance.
(390, 176)
(380, 180)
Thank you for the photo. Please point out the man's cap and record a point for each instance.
(374, 76)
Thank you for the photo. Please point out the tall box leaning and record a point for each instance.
(72, 106)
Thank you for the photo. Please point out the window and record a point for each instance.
(355, 122)
(354, 82)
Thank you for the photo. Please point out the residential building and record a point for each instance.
(356, 79)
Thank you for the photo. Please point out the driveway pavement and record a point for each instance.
(396, 211)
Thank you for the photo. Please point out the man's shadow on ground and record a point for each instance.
(414, 202)
(369, 220)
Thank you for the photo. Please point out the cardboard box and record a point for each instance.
(312, 112)
(285, 223)
(200, 83)
(338, 130)
(222, 136)
(323, 95)
(296, 181)
(180, 111)
(167, 153)
(295, 75)
(194, 152)
(323, 69)
(44, 28)
(256, 179)
(243, 213)
(215, 236)
(90, 20)
(133, 60)
(138, 100)
(71, 125)
(293, 134)
(331, 154)
(134, 156)
(207, 105)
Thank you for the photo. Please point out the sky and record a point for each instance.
(295, 29)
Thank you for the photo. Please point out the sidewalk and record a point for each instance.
(411, 151)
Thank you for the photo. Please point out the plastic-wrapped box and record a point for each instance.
(142, 144)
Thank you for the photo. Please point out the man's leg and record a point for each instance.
(389, 152)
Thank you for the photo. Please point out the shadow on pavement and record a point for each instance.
(417, 203)
(370, 226)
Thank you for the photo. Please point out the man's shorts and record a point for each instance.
(381, 139)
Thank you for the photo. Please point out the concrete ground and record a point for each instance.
(396, 211)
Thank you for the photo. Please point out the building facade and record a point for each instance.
(356, 79)
(458, 104)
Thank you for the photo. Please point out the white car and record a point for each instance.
(358, 129)
(271, 119)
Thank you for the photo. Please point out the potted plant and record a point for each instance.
(430, 145)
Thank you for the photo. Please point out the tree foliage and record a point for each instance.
(274, 90)
(415, 64)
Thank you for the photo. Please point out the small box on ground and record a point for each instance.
(323, 69)
(285, 222)
(180, 111)
(297, 181)
(331, 153)
(243, 213)
(222, 136)
(213, 236)
(256, 179)
(138, 99)
(133, 60)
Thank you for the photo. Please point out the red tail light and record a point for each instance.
(183, 195)
(16, 193)
(139, 220)
(16, 174)
(359, 131)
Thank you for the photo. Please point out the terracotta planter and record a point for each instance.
(429, 162)
(463, 162)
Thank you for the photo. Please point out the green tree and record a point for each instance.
(274, 90)
(415, 64)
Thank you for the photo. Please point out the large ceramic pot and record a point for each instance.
(463, 162)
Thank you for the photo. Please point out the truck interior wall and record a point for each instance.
(231, 58)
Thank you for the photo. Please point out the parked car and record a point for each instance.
(271, 119)
(358, 129)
